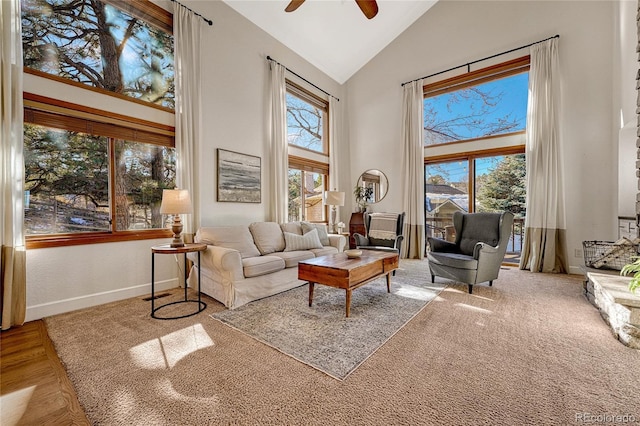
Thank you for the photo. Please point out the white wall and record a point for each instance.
(457, 32)
(624, 114)
(235, 103)
(234, 93)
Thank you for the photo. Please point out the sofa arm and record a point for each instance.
(337, 241)
(223, 263)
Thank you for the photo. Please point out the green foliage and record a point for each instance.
(633, 268)
(362, 194)
(99, 45)
(70, 170)
(503, 189)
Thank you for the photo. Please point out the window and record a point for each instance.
(307, 117)
(91, 176)
(94, 175)
(117, 47)
(474, 136)
(307, 183)
(484, 103)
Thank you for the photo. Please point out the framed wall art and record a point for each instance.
(239, 177)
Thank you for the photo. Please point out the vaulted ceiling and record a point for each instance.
(333, 35)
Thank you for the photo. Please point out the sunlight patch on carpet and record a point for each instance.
(168, 350)
(474, 308)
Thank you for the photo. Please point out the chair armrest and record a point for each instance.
(360, 239)
(399, 240)
(483, 249)
(337, 241)
(489, 260)
(442, 246)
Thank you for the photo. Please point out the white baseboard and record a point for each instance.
(62, 306)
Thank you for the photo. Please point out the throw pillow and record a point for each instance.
(267, 236)
(322, 231)
(294, 242)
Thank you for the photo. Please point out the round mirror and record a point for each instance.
(374, 184)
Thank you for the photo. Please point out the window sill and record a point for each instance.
(61, 240)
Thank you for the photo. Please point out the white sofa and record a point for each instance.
(246, 263)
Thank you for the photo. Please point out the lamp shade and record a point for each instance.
(175, 201)
(334, 198)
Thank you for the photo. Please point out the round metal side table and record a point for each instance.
(167, 249)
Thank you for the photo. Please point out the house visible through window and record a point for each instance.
(474, 128)
(308, 177)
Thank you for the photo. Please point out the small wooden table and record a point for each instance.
(167, 249)
(337, 270)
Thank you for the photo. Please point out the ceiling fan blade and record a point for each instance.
(368, 7)
(293, 5)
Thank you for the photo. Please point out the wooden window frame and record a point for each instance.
(69, 116)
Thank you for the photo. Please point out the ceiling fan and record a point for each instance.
(368, 7)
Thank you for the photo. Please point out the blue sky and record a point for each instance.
(511, 92)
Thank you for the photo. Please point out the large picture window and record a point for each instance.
(93, 176)
(105, 45)
(308, 175)
(474, 135)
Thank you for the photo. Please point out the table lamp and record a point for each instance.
(174, 203)
(333, 199)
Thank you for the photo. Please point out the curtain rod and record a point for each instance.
(208, 21)
(468, 64)
(269, 58)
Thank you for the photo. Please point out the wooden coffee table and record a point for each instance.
(337, 270)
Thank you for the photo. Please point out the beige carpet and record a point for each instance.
(529, 350)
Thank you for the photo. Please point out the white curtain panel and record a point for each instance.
(187, 29)
(279, 155)
(335, 124)
(413, 167)
(544, 247)
(13, 269)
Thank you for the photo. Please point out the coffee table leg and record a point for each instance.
(348, 303)
(389, 282)
(310, 292)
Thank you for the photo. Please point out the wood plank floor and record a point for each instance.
(34, 387)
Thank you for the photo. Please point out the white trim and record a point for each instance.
(88, 301)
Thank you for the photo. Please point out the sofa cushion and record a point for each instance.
(307, 241)
(293, 227)
(322, 231)
(233, 237)
(267, 236)
(453, 260)
(324, 251)
(261, 265)
(291, 258)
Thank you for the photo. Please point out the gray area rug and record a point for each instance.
(321, 336)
